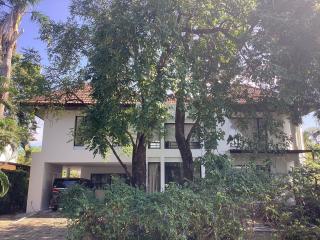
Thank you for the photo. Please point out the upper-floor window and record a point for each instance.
(78, 139)
(252, 134)
(170, 139)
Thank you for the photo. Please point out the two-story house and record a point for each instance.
(62, 151)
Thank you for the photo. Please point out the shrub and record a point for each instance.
(296, 214)
(130, 213)
(16, 198)
(221, 206)
(216, 207)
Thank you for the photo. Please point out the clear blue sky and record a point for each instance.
(58, 10)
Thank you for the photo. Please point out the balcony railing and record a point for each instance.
(174, 145)
(154, 145)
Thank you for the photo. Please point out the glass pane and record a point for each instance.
(100, 180)
(187, 129)
(197, 170)
(173, 172)
(65, 183)
(154, 177)
(78, 140)
(170, 132)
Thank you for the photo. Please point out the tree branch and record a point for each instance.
(196, 124)
(131, 138)
(123, 165)
(206, 31)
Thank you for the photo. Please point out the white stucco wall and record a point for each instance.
(58, 151)
(86, 171)
(42, 175)
(57, 145)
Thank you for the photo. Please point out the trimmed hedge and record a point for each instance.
(16, 198)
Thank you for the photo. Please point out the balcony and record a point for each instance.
(154, 145)
(174, 145)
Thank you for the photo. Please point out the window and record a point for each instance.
(170, 139)
(154, 177)
(173, 172)
(197, 170)
(252, 135)
(78, 139)
(99, 180)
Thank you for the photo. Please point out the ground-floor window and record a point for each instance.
(154, 177)
(173, 172)
(99, 180)
(197, 171)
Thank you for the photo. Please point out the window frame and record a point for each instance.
(174, 145)
(75, 131)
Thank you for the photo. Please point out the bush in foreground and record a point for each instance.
(222, 206)
(16, 198)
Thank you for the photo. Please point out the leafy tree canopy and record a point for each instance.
(284, 53)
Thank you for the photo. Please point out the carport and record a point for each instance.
(43, 173)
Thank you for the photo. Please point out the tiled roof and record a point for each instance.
(82, 96)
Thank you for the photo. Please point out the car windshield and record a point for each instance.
(65, 183)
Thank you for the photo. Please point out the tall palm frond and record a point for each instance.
(4, 184)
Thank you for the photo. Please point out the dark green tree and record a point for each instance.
(206, 65)
(283, 54)
(134, 53)
(27, 82)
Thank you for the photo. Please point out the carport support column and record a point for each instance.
(162, 174)
(40, 184)
(36, 182)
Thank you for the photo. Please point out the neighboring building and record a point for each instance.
(14, 166)
(314, 136)
(8, 155)
(61, 152)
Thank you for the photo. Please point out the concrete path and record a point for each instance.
(45, 225)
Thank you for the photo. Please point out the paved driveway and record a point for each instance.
(45, 225)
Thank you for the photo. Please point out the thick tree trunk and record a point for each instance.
(9, 32)
(139, 162)
(182, 142)
(6, 75)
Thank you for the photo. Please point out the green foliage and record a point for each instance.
(16, 198)
(130, 213)
(293, 207)
(27, 79)
(4, 184)
(217, 207)
(223, 205)
(312, 159)
(10, 133)
(135, 52)
(284, 53)
(27, 82)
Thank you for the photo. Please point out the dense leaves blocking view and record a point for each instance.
(164, 119)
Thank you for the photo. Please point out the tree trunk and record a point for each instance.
(182, 142)
(9, 32)
(139, 162)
